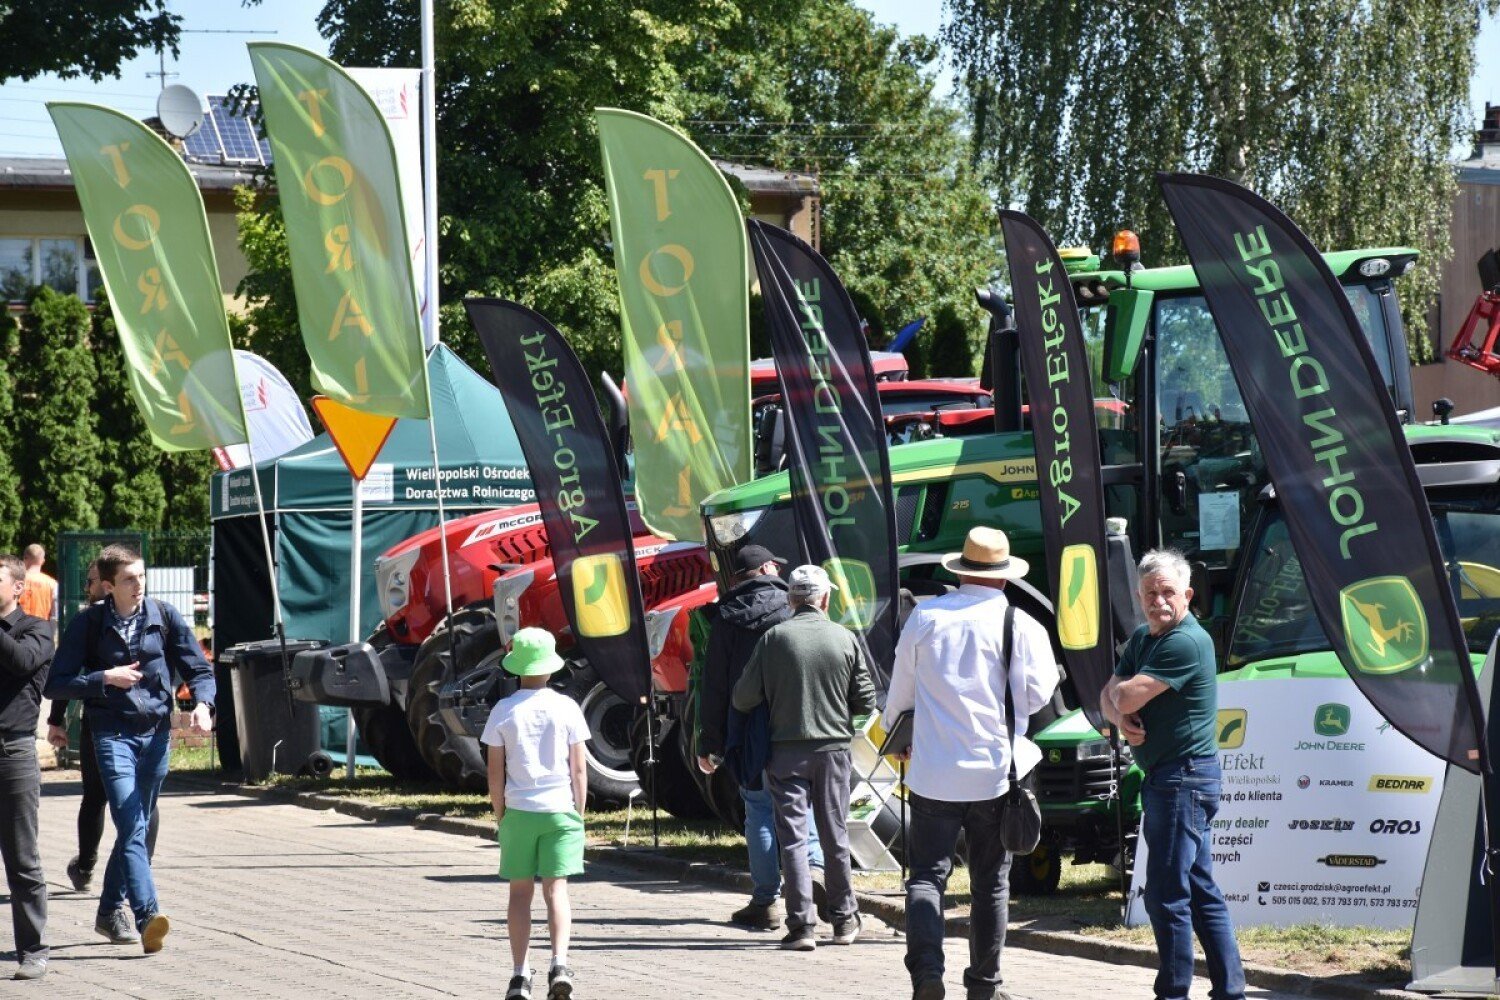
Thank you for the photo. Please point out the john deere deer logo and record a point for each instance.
(1331, 719)
(1384, 625)
(853, 604)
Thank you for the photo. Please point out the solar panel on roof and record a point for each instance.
(227, 138)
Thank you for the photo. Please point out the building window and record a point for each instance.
(66, 264)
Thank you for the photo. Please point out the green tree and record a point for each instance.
(269, 324)
(57, 450)
(130, 478)
(1343, 112)
(10, 493)
(91, 38)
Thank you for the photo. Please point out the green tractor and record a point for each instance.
(1182, 468)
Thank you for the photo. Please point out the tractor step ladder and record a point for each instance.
(1475, 344)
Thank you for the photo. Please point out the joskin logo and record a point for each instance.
(1078, 595)
(1331, 719)
(853, 604)
(1231, 728)
(1384, 626)
(599, 595)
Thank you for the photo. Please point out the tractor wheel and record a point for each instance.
(1037, 873)
(457, 759)
(670, 784)
(611, 775)
(384, 731)
(720, 790)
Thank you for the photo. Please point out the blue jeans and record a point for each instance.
(760, 844)
(132, 767)
(1180, 798)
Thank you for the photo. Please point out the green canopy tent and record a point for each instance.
(309, 501)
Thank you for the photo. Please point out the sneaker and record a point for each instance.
(80, 876)
(846, 930)
(154, 933)
(559, 983)
(801, 939)
(929, 989)
(520, 988)
(116, 927)
(757, 917)
(32, 967)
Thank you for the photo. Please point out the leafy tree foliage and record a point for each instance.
(10, 493)
(72, 38)
(1344, 112)
(56, 449)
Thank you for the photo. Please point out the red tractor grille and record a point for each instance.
(522, 545)
(665, 578)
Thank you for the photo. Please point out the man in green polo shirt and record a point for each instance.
(1164, 699)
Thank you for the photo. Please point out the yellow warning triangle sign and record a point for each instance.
(357, 435)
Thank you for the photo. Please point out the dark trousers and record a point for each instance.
(91, 807)
(1180, 798)
(20, 796)
(933, 839)
(803, 782)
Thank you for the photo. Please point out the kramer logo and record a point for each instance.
(1231, 728)
(1384, 626)
(1351, 861)
(599, 595)
(853, 604)
(1078, 593)
(1400, 783)
(1331, 719)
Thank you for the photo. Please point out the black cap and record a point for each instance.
(753, 557)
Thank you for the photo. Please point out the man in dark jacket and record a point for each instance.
(811, 673)
(118, 657)
(755, 602)
(25, 650)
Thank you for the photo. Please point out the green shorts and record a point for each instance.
(540, 845)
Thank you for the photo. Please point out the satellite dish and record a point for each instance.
(180, 111)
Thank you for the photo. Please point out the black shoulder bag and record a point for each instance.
(1020, 816)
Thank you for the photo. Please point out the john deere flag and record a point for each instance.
(1060, 390)
(573, 469)
(341, 199)
(684, 308)
(840, 470)
(1344, 477)
(146, 221)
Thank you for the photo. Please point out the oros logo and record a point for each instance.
(599, 595)
(1396, 826)
(1331, 719)
(1351, 861)
(1303, 781)
(853, 604)
(1078, 594)
(1231, 728)
(1400, 783)
(1384, 626)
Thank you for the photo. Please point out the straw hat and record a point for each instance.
(986, 554)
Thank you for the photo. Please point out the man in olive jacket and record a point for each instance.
(814, 679)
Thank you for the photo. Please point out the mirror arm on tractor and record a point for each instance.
(1001, 360)
(618, 422)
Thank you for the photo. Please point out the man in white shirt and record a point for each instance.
(951, 671)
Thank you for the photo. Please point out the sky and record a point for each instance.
(212, 61)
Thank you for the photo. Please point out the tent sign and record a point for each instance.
(357, 435)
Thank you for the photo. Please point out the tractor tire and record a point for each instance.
(1037, 873)
(457, 759)
(720, 790)
(384, 731)
(670, 784)
(611, 774)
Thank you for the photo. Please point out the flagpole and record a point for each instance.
(437, 475)
(356, 553)
(429, 194)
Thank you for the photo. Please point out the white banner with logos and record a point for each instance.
(1326, 810)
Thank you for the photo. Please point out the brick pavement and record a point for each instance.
(272, 900)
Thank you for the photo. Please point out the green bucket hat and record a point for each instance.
(533, 652)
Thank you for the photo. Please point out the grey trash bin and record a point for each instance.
(273, 735)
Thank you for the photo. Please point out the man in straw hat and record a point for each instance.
(957, 656)
(812, 676)
(538, 785)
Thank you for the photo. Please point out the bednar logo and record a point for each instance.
(1078, 594)
(1384, 626)
(599, 595)
(853, 604)
(1231, 728)
(1400, 783)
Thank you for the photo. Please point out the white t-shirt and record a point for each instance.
(537, 728)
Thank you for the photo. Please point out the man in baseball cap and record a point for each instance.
(812, 675)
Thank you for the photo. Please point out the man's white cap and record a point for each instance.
(810, 581)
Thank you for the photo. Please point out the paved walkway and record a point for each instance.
(272, 900)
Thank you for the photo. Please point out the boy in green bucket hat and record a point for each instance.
(537, 785)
